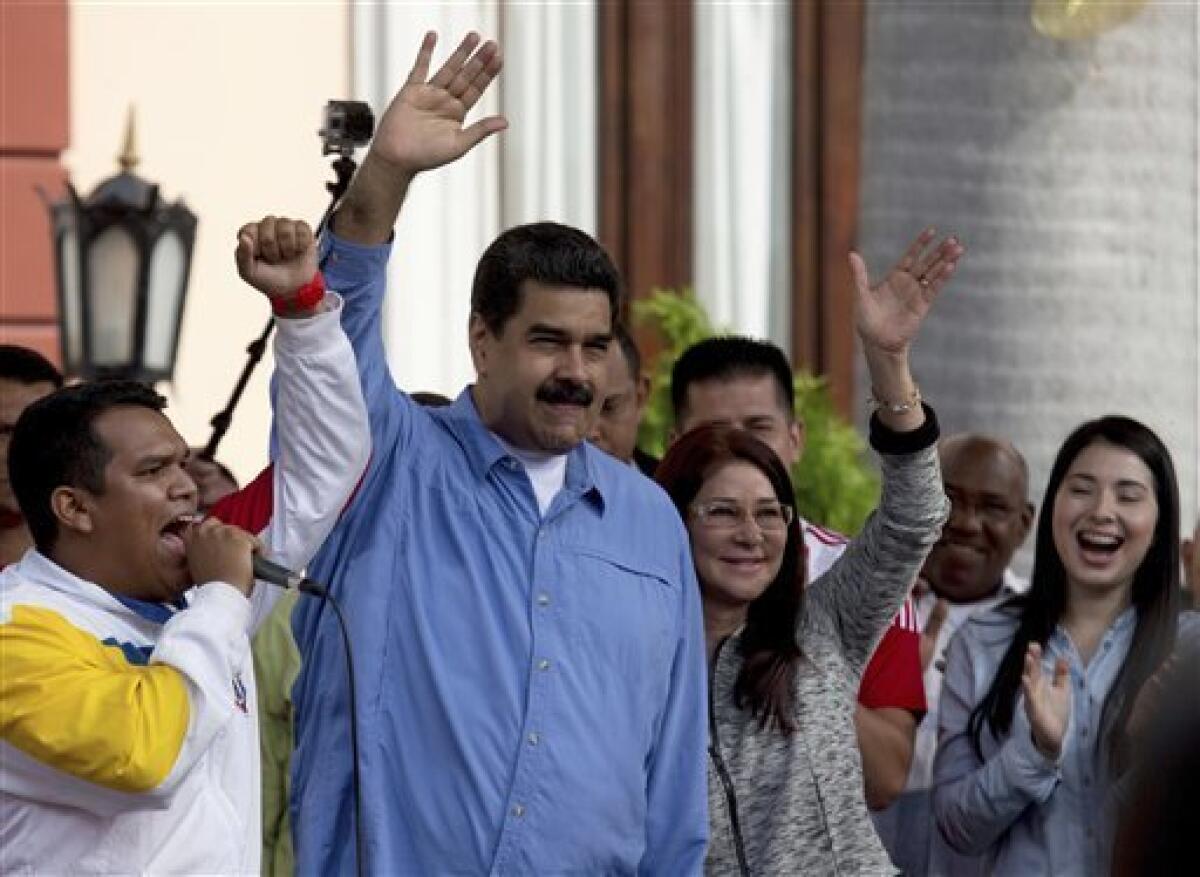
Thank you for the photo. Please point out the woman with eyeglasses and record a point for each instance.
(785, 658)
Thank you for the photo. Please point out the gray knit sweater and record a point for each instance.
(800, 804)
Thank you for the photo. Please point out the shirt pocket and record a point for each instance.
(625, 615)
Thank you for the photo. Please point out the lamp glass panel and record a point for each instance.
(72, 301)
(113, 272)
(164, 298)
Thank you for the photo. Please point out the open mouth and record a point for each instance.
(1098, 547)
(171, 535)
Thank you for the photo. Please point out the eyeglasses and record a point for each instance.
(721, 514)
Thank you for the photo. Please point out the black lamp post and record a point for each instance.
(122, 258)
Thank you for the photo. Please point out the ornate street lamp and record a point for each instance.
(122, 258)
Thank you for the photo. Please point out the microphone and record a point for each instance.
(275, 574)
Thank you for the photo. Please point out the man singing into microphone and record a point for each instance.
(128, 727)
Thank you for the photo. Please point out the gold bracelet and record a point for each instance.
(911, 403)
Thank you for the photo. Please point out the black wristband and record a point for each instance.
(888, 441)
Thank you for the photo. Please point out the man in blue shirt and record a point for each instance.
(524, 613)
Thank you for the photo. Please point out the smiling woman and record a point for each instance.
(1035, 713)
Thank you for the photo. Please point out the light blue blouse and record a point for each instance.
(1017, 811)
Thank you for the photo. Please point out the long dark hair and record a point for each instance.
(770, 653)
(1155, 592)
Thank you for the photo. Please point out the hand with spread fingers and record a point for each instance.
(423, 126)
(1047, 702)
(889, 314)
(276, 256)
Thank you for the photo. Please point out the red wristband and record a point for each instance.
(303, 300)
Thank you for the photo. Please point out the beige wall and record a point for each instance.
(228, 100)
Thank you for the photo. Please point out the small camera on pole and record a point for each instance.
(345, 126)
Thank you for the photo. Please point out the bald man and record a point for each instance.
(967, 572)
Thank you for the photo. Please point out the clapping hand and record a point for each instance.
(1047, 702)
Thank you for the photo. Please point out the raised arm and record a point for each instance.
(422, 129)
(322, 439)
(865, 588)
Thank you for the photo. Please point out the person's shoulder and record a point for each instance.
(624, 483)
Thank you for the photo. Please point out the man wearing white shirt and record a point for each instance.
(967, 572)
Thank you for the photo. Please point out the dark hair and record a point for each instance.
(1155, 592)
(731, 356)
(27, 366)
(54, 445)
(545, 252)
(629, 349)
(770, 653)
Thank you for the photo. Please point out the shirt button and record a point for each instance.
(543, 599)
(534, 738)
(518, 810)
(543, 664)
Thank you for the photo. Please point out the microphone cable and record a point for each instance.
(314, 589)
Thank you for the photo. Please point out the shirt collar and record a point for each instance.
(484, 451)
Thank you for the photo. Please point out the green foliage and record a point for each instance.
(835, 486)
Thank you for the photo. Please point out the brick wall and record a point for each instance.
(1070, 168)
(33, 131)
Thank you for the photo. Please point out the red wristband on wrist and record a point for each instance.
(302, 300)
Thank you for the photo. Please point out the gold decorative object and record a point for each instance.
(1082, 19)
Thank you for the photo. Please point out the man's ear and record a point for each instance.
(478, 336)
(73, 509)
(1028, 512)
(798, 433)
(642, 394)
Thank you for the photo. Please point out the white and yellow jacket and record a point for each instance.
(129, 731)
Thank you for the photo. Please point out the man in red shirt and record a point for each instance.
(747, 383)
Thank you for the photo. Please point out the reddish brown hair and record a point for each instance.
(770, 652)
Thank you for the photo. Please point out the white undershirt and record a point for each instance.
(547, 472)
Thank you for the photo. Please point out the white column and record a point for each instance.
(549, 88)
(742, 140)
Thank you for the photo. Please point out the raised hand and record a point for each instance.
(1047, 702)
(889, 313)
(422, 128)
(276, 256)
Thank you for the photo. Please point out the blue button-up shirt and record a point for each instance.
(1018, 811)
(531, 689)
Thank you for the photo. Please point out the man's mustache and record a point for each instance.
(565, 393)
